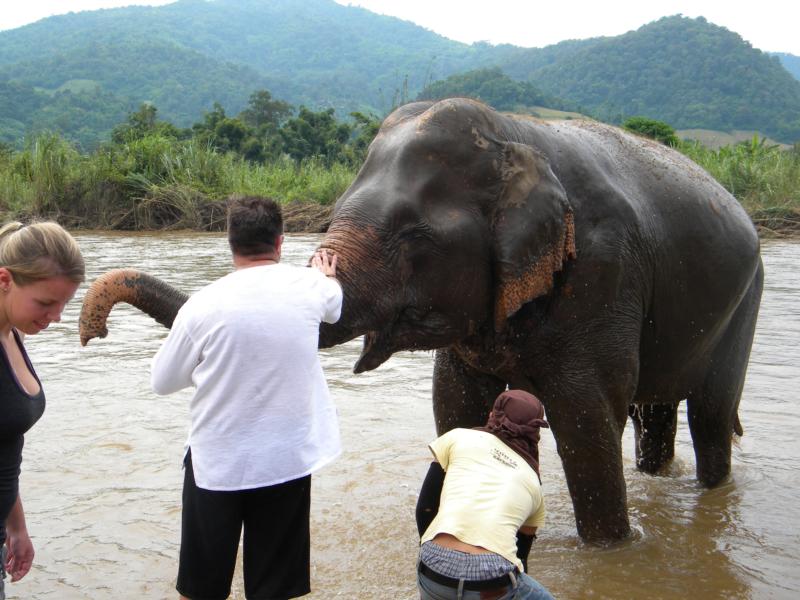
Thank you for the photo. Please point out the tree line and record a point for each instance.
(152, 174)
(264, 131)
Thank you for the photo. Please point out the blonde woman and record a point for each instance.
(41, 267)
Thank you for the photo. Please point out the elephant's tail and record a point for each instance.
(737, 426)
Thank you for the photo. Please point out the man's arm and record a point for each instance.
(174, 363)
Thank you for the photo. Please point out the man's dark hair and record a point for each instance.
(254, 224)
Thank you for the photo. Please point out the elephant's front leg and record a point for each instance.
(462, 396)
(588, 436)
(589, 444)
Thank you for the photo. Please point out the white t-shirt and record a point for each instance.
(489, 492)
(261, 413)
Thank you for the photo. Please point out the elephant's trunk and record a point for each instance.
(365, 279)
(147, 293)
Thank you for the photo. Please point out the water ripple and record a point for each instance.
(102, 474)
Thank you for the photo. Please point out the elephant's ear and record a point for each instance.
(534, 231)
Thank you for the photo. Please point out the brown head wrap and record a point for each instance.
(516, 419)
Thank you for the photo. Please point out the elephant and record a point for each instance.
(604, 272)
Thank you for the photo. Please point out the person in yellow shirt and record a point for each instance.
(480, 506)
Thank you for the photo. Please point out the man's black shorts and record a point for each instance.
(276, 540)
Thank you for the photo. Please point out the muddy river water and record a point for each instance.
(102, 470)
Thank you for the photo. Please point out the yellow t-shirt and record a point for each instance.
(488, 494)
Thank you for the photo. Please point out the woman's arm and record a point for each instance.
(429, 495)
(525, 537)
(20, 547)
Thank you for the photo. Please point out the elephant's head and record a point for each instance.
(449, 228)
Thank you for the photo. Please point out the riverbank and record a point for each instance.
(312, 217)
(158, 184)
(782, 226)
(300, 217)
(184, 186)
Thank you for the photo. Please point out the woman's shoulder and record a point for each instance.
(473, 437)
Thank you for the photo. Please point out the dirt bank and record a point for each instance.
(306, 217)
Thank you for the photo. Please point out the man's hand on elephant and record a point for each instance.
(325, 262)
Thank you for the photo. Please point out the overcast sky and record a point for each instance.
(770, 25)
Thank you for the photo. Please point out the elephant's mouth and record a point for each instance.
(375, 352)
(413, 330)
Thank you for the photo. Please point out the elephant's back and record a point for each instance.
(644, 205)
(649, 185)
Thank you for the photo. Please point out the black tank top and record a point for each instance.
(18, 412)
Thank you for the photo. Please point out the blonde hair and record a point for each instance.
(40, 251)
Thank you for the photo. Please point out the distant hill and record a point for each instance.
(687, 72)
(314, 52)
(83, 72)
(87, 116)
(791, 63)
(181, 82)
(495, 88)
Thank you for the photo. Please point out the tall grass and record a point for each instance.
(764, 178)
(311, 180)
(153, 182)
(158, 182)
(35, 180)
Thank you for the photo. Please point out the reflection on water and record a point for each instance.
(101, 480)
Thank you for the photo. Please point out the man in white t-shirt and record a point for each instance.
(480, 506)
(262, 419)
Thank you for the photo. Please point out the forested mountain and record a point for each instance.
(687, 72)
(492, 86)
(790, 62)
(83, 72)
(313, 52)
(86, 116)
(160, 72)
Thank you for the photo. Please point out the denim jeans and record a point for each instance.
(527, 588)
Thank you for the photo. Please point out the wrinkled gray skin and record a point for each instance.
(605, 273)
(457, 236)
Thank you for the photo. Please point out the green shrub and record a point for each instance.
(656, 130)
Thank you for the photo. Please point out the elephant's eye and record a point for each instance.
(417, 231)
